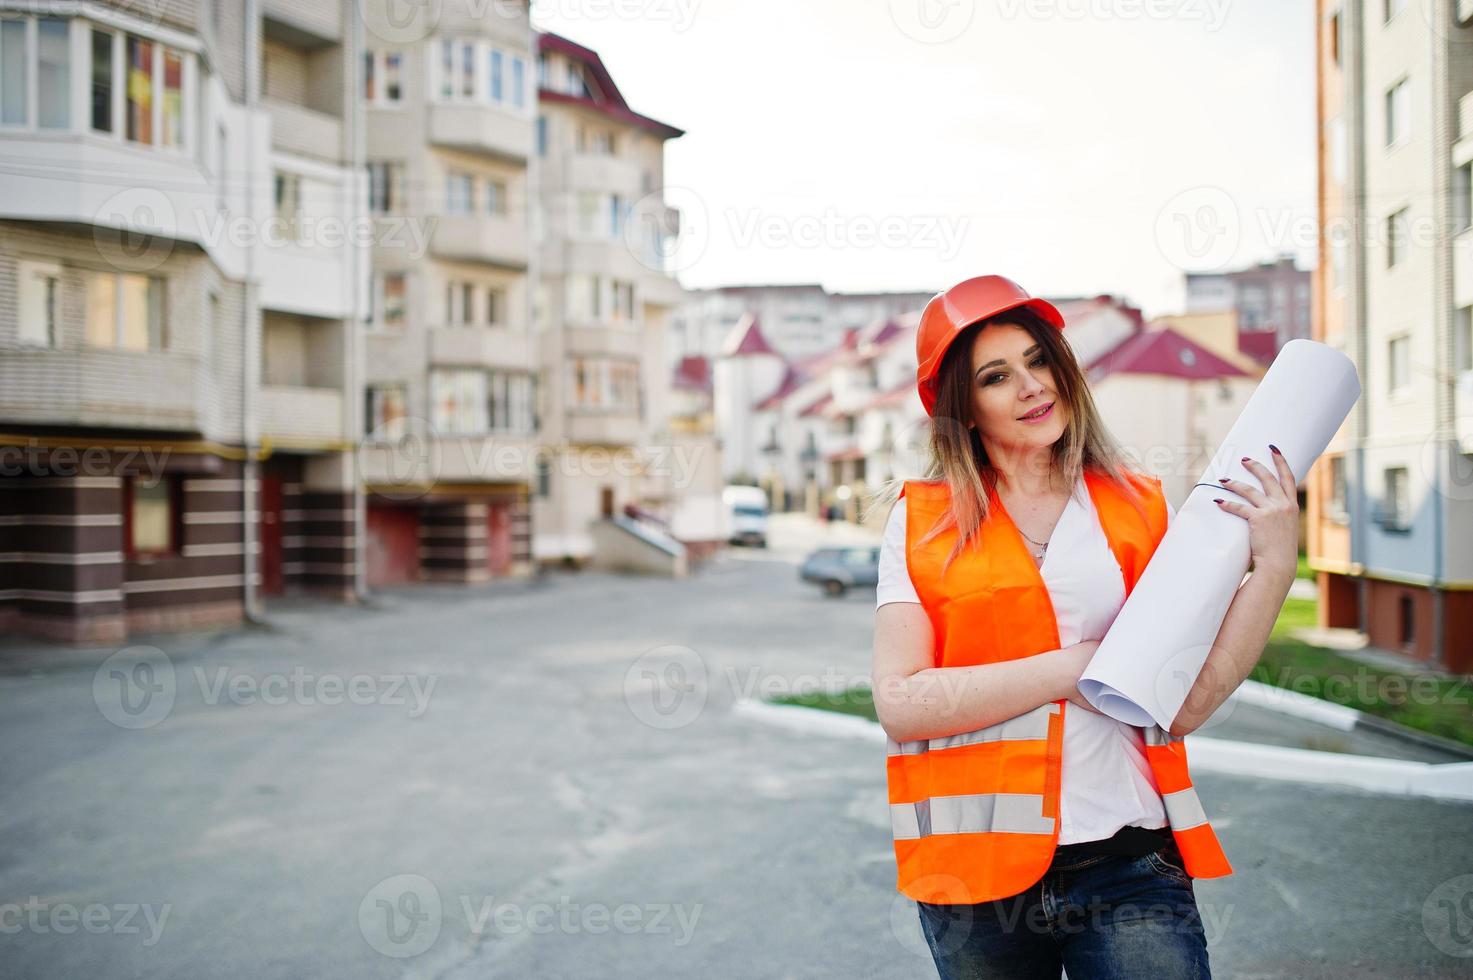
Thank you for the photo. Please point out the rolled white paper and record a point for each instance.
(1154, 650)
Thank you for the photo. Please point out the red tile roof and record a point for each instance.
(817, 407)
(607, 99)
(693, 374)
(1163, 352)
(792, 380)
(1261, 345)
(746, 337)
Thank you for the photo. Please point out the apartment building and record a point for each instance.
(452, 366)
(1271, 301)
(176, 335)
(1389, 509)
(604, 305)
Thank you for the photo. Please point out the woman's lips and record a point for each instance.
(1038, 418)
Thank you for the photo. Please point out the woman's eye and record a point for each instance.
(991, 379)
(1040, 361)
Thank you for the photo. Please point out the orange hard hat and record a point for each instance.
(956, 309)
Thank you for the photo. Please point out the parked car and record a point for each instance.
(746, 515)
(841, 569)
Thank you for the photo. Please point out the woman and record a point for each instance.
(1034, 832)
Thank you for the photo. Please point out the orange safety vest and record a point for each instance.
(975, 816)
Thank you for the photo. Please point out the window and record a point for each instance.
(616, 215)
(458, 193)
(173, 96)
(509, 406)
(1463, 339)
(125, 311)
(102, 81)
(447, 70)
(1397, 232)
(544, 477)
(588, 211)
(1339, 150)
(496, 94)
(151, 521)
(605, 384)
(1396, 511)
(383, 187)
(40, 296)
(1337, 507)
(1406, 621)
(623, 309)
(518, 82)
(222, 168)
(542, 136)
(458, 403)
(288, 196)
(495, 306)
(468, 70)
(53, 73)
(387, 410)
(1398, 359)
(495, 197)
(386, 308)
(1463, 198)
(1335, 38)
(140, 90)
(383, 78)
(14, 78)
(1398, 113)
(459, 303)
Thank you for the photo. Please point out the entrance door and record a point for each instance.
(393, 544)
(606, 501)
(273, 579)
(498, 538)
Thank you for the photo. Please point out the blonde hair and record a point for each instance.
(958, 457)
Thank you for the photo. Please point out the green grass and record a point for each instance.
(1422, 701)
(1304, 569)
(1440, 706)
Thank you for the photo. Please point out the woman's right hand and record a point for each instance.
(1078, 657)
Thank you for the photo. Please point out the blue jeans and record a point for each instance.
(1099, 917)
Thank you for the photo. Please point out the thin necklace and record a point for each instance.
(1041, 545)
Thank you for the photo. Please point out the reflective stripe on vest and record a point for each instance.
(975, 815)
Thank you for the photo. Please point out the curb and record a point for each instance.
(1339, 716)
(1451, 781)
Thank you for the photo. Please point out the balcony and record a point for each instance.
(1463, 269)
(480, 346)
(495, 239)
(304, 25)
(410, 466)
(300, 416)
(626, 340)
(482, 129)
(600, 172)
(604, 429)
(303, 131)
(102, 388)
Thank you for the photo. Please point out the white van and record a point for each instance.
(746, 515)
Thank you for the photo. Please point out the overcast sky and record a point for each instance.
(1077, 146)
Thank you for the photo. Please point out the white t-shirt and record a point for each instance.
(1106, 781)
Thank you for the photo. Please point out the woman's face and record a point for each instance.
(1015, 403)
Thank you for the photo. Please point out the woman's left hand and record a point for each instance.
(1272, 514)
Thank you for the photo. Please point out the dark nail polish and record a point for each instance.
(1217, 500)
(1275, 449)
(1222, 479)
(1245, 459)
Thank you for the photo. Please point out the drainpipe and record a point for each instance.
(1442, 275)
(250, 316)
(353, 354)
(533, 205)
(1354, 84)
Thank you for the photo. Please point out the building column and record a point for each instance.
(452, 541)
